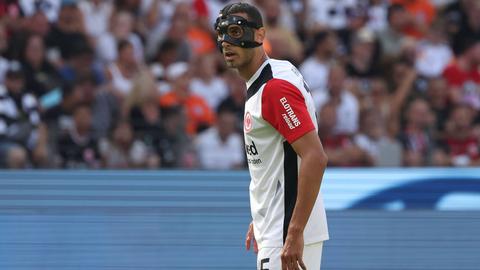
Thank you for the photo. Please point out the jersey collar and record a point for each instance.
(257, 73)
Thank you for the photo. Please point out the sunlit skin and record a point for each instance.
(245, 60)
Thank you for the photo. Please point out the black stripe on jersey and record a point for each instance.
(264, 77)
(290, 170)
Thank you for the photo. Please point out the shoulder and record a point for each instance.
(207, 136)
(286, 71)
(278, 87)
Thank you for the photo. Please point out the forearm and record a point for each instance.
(309, 180)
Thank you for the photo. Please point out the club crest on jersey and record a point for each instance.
(247, 122)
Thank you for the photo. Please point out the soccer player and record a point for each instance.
(285, 156)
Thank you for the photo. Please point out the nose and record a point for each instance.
(225, 44)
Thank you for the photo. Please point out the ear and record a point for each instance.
(260, 35)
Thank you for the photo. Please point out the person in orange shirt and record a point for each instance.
(422, 13)
(198, 113)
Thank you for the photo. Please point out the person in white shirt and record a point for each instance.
(346, 102)
(51, 8)
(315, 68)
(220, 147)
(96, 15)
(285, 157)
(433, 53)
(121, 29)
(206, 83)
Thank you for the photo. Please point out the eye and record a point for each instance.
(235, 31)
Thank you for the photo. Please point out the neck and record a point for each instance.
(247, 71)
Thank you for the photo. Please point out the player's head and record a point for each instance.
(240, 31)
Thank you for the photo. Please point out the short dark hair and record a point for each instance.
(252, 12)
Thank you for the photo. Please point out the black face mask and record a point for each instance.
(236, 30)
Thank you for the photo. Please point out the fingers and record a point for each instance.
(248, 239)
(302, 265)
(293, 263)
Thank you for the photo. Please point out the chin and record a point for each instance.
(231, 65)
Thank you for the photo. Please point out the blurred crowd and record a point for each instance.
(142, 84)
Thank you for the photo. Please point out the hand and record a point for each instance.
(251, 237)
(292, 252)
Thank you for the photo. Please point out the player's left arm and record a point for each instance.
(312, 167)
(284, 107)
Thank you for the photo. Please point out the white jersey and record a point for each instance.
(279, 110)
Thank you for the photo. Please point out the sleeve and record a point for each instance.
(283, 106)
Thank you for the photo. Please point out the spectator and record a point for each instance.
(49, 7)
(373, 139)
(416, 135)
(96, 14)
(284, 44)
(37, 24)
(437, 96)
(345, 102)
(332, 14)
(461, 145)
(377, 15)
(463, 20)
(421, 14)
(58, 115)
(81, 63)
(199, 115)
(316, 67)
(121, 28)
(121, 71)
(207, 84)
(77, 147)
(167, 54)
(357, 20)
(175, 147)
(433, 53)
(72, 94)
(142, 107)
(122, 151)
(67, 33)
(158, 19)
(40, 75)
(176, 32)
(392, 38)
(363, 61)
(463, 75)
(339, 147)
(235, 102)
(21, 132)
(220, 147)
